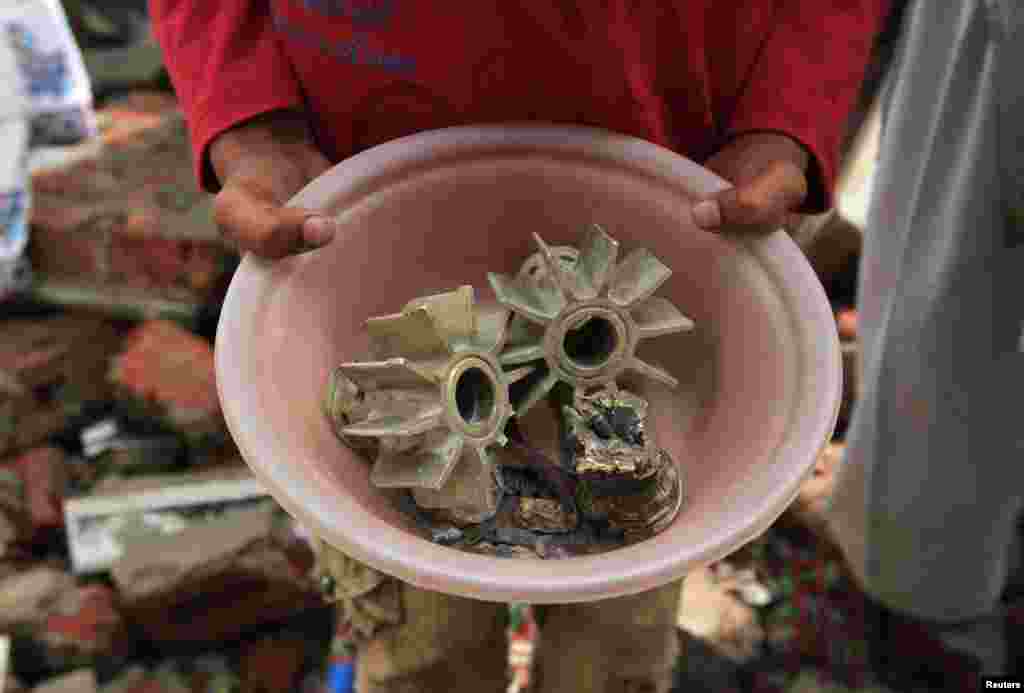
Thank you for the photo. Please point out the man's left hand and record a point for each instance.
(768, 173)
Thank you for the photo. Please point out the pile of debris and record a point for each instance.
(118, 223)
(137, 553)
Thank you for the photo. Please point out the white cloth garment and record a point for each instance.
(933, 481)
(45, 98)
(14, 189)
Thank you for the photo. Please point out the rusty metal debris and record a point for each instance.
(625, 477)
(435, 413)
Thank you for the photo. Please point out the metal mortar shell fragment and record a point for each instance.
(344, 404)
(583, 312)
(622, 476)
(651, 509)
(435, 400)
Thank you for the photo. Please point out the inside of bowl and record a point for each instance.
(741, 372)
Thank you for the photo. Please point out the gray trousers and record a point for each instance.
(933, 481)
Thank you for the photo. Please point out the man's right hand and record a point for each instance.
(260, 165)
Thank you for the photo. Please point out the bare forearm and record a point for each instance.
(280, 138)
(259, 165)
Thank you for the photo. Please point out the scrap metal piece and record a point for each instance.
(607, 434)
(428, 463)
(623, 475)
(502, 550)
(543, 514)
(469, 494)
(435, 404)
(584, 312)
(650, 509)
(621, 487)
(656, 316)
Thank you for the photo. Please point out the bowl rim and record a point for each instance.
(579, 579)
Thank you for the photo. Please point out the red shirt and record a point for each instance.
(686, 74)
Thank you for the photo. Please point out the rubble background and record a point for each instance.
(107, 394)
(108, 398)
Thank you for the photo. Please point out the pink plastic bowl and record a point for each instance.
(760, 377)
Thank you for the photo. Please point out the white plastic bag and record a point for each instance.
(45, 99)
(50, 69)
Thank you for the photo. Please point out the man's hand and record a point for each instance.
(261, 164)
(768, 172)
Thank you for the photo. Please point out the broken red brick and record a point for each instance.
(143, 254)
(81, 254)
(65, 621)
(86, 620)
(46, 366)
(141, 261)
(135, 113)
(129, 216)
(213, 581)
(165, 364)
(29, 596)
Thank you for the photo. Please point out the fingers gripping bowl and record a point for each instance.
(759, 379)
